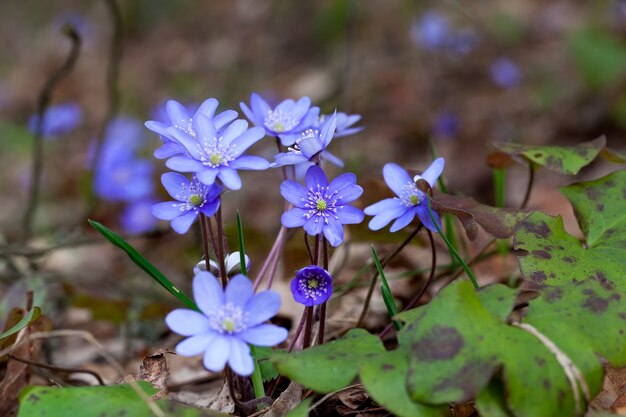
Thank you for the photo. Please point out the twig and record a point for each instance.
(529, 186)
(58, 368)
(383, 264)
(42, 104)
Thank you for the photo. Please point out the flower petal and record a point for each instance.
(207, 292)
(293, 192)
(349, 194)
(217, 354)
(333, 231)
(207, 108)
(288, 158)
(264, 335)
(187, 322)
(229, 178)
(403, 220)
(169, 149)
(207, 176)
(342, 181)
(314, 225)
(195, 345)
(206, 133)
(186, 141)
(209, 209)
(246, 139)
(157, 127)
(184, 164)
(422, 213)
(239, 290)
(177, 113)
(382, 219)
(168, 210)
(260, 108)
(300, 108)
(250, 162)
(311, 147)
(315, 176)
(294, 218)
(224, 118)
(434, 171)
(248, 112)
(182, 223)
(239, 358)
(396, 177)
(350, 215)
(383, 205)
(262, 307)
(177, 185)
(234, 130)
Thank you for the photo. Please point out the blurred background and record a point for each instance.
(444, 77)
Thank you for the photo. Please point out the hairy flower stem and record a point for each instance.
(322, 312)
(277, 248)
(211, 233)
(296, 335)
(204, 237)
(220, 247)
(383, 264)
(308, 327)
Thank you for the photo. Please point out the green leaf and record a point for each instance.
(390, 304)
(331, 366)
(268, 370)
(302, 409)
(383, 376)
(457, 346)
(97, 401)
(562, 159)
(599, 57)
(143, 263)
(491, 402)
(549, 256)
(497, 299)
(30, 317)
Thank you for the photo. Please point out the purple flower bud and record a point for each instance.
(505, 73)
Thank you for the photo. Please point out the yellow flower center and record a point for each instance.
(414, 200)
(279, 127)
(313, 284)
(216, 159)
(228, 325)
(196, 199)
(320, 204)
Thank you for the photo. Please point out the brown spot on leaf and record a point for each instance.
(622, 315)
(541, 254)
(33, 398)
(540, 361)
(595, 304)
(541, 229)
(538, 155)
(569, 260)
(470, 379)
(440, 343)
(600, 207)
(547, 384)
(593, 194)
(538, 276)
(388, 367)
(602, 279)
(553, 294)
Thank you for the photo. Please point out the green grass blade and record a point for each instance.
(30, 317)
(257, 378)
(143, 263)
(499, 180)
(467, 269)
(392, 309)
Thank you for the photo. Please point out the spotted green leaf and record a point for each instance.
(105, 401)
(331, 366)
(562, 159)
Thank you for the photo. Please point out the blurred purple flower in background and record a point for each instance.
(173, 114)
(283, 121)
(434, 33)
(215, 154)
(137, 217)
(409, 200)
(192, 198)
(446, 125)
(321, 207)
(312, 285)
(57, 120)
(505, 73)
(227, 322)
(121, 175)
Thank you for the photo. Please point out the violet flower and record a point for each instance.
(178, 116)
(137, 217)
(57, 120)
(192, 198)
(321, 207)
(283, 121)
(505, 73)
(312, 285)
(215, 154)
(410, 201)
(228, 321)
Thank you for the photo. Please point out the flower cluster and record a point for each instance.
(433, 32)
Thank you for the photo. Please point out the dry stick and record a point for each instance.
(383, 264)
(42, 104)
(58, 368)
(89, 338)
(420, 294)
(113, 93)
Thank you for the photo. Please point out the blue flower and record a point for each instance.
(229, 320)
(287, 118)
(312, 285)
(57, 120)
(212, 154)
(409, 201)
(137, 217)
(433, 32)
(505, 73)
(344, 123)
(321, 207)
(446, 125)
(310, 147)
(178, 116)
(192, 198)
(120, 174)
